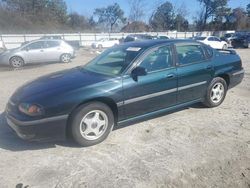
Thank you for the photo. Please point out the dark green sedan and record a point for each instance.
(129, 82)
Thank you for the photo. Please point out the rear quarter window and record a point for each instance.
(209, 51)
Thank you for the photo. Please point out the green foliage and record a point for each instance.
(211, 8)
(110, 15)
(163, 18)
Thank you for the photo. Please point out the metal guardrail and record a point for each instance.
(86, 39)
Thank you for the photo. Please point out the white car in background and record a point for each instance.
(105, 43)
(213, 41)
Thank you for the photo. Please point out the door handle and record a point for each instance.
(41, 50)
(170, 76)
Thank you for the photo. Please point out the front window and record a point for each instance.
(35, 45)
(158, 60)
(114, 60)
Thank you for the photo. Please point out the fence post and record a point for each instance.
(80, 35)
(95, 36)
(176, 34)
(24, 38)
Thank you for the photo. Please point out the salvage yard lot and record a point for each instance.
(193, 147)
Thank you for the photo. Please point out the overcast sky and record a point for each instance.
(86, 7)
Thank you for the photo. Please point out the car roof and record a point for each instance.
(42, 40)
(155, 42)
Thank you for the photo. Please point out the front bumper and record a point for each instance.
(53, 128)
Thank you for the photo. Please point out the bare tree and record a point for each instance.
(110, 15)
(137, 10)
(181, 21)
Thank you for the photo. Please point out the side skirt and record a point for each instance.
(155, 113)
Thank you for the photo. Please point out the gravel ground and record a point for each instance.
(192, 147)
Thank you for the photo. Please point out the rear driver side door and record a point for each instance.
(195, 71)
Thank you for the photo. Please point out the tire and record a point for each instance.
(16, 62)
(224, 47)
(65, 58)
(100, 46)
(216, 92)
(91, 123)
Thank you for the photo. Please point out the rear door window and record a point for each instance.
(216, 39)
(188, 54)
(52, 44)
(210, 39)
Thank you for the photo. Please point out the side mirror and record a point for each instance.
(138, 71)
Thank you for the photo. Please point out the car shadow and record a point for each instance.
(5, 68)
(10, 141)
(196, 105)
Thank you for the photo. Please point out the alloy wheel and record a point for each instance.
(16, 62)
(93, 125)
(217, 93)
(65, 58)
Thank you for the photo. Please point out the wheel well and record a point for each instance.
(225, 77)
(109, 102)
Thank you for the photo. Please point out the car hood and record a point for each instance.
(58, 82)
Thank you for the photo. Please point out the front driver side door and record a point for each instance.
(34, 52)
(157, 89)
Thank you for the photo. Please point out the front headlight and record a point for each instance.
(30, 109)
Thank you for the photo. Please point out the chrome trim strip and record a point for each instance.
(191, 85)
(239, 72)
(147, 96)
(12, 103)
(119, 104)
(159, 93)
(26, 123)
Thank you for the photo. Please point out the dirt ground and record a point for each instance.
(192, 147)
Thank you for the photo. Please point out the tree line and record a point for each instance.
(53, 16)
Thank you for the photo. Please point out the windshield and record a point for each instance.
(114, 60)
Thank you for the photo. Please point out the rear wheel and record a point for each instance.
(16, 62)
(224, 47)
(91, 123)
(216, 92)
(100, 46)
(65, 58)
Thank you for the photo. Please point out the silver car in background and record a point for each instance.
(38, 51)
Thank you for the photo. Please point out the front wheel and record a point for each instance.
(216, 92)
(92, 123)
(65, 58)
(16, 62)
(224, 47)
